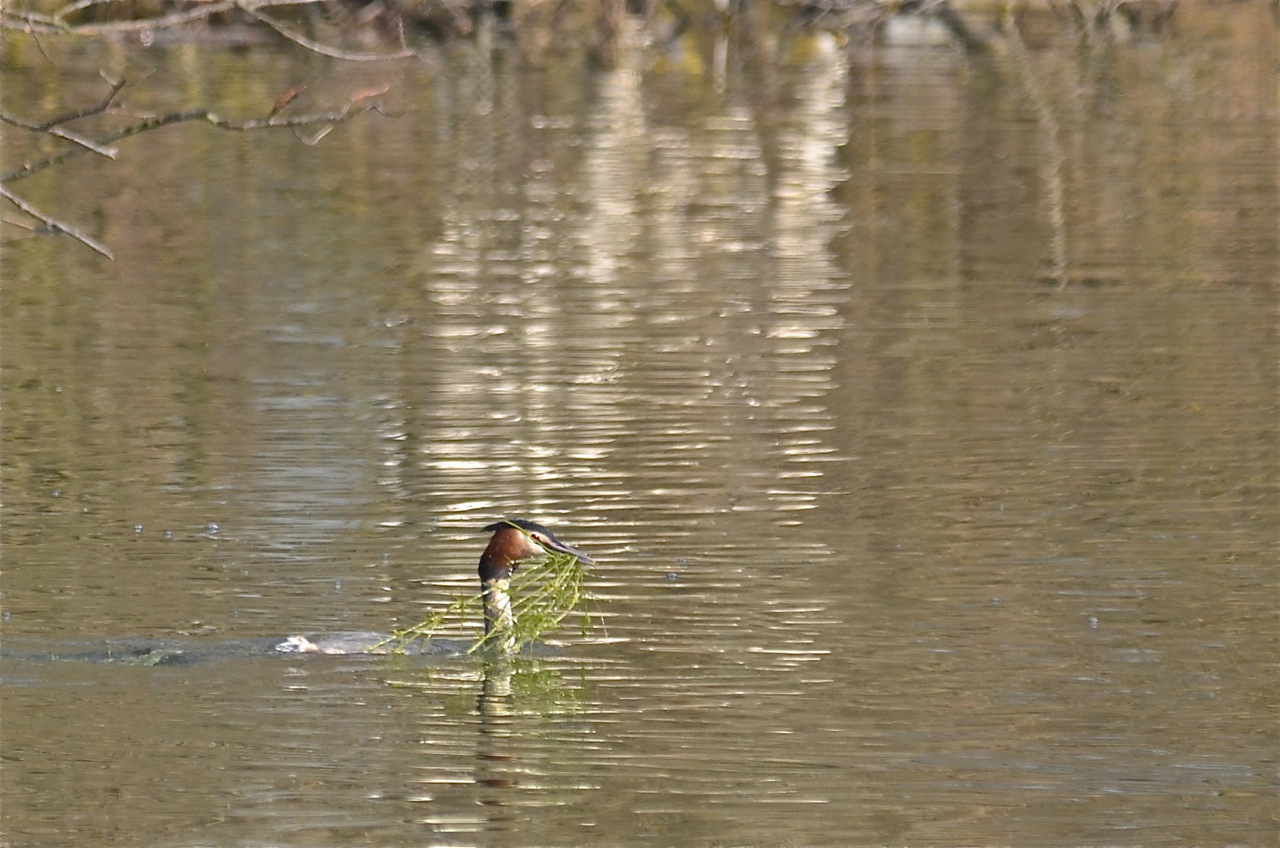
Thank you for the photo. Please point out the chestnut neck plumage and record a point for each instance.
(499, 561)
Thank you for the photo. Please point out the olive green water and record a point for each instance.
(920, 409)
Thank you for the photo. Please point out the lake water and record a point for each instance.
(920, 408)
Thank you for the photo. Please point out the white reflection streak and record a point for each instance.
(467, 395)
(615, 161)
(808, 282)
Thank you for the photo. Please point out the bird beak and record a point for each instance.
(561, 548)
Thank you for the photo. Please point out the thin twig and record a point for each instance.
(34, 23)
(326, 120)
(315, 46)
(104, 105)
(53, 125)
(70, 9)
(171, 19)
(54, 224)
(59, 132)
(351, 109)
(57, 22)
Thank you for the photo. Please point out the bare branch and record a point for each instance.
(88, 144)
(309, 129)
(54, 224)
(26, 21)
(251, 9)
(35, 23)
(57, 22)
(53, 125)
(353, 107)
(360, 102)
(170, 19)
(48, 125)
(59, 132)
(116, 86)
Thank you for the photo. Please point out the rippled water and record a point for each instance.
(920, 409)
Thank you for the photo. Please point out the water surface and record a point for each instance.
(920, 409)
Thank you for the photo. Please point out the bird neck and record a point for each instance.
(499, 620)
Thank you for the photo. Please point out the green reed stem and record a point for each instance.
(543, 594)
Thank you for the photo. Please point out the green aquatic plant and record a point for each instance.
(541, 594)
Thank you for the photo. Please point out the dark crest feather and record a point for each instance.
(523, 524)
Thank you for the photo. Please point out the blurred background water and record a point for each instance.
(919, 407)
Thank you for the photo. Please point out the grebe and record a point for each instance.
(514, 540)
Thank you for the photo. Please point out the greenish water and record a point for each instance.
(919, 408)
